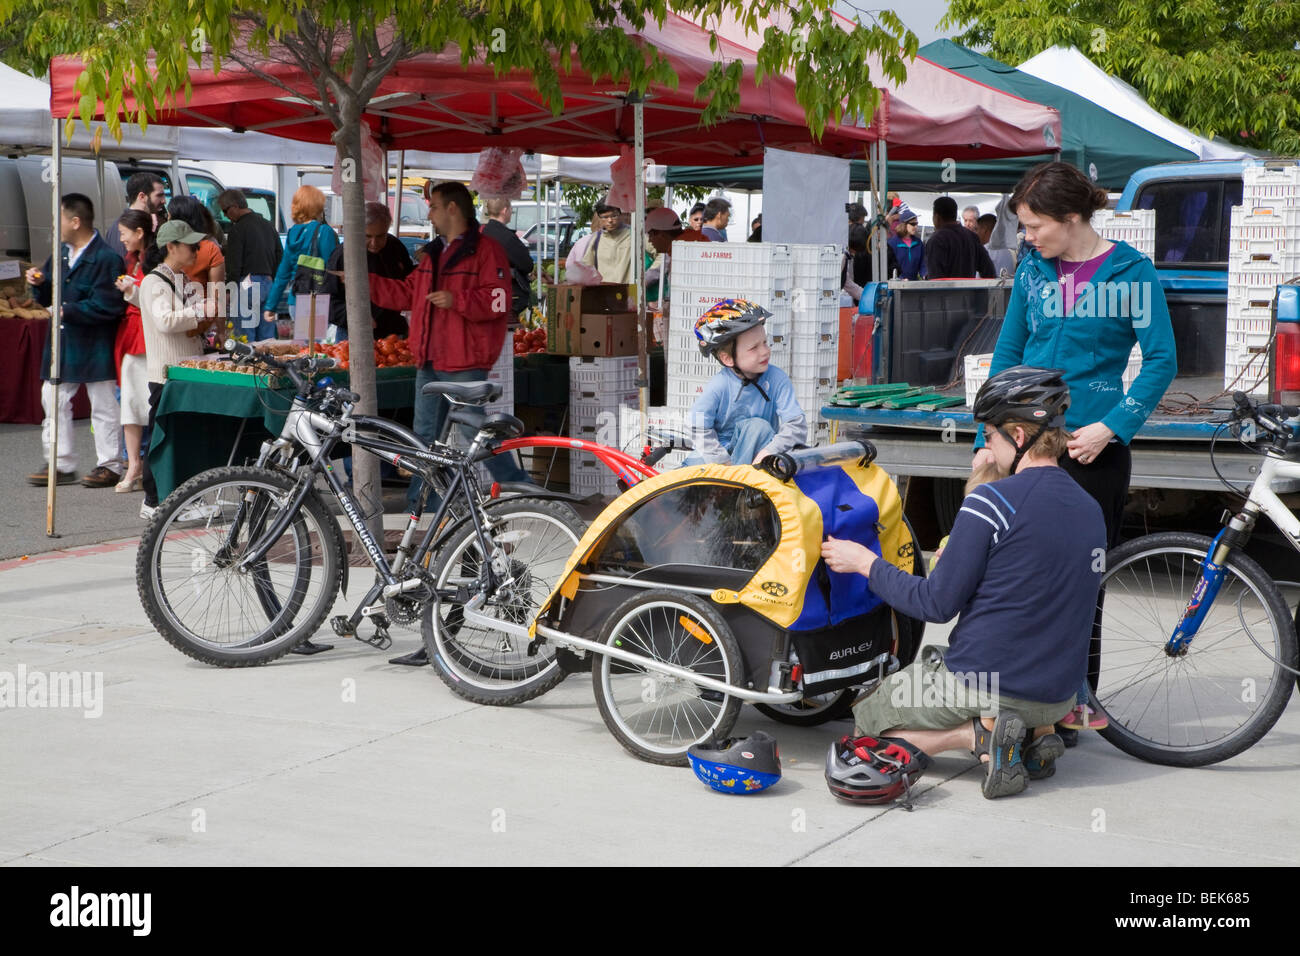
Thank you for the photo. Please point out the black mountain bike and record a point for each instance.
(239, 565)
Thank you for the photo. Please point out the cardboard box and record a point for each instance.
(567, 304)
(608, 334)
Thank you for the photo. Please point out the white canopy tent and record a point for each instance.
(1070, 69)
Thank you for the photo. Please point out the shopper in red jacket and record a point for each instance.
(459, 298)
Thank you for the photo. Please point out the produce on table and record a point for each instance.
(530, 340)
(12, 307)
(390, 351)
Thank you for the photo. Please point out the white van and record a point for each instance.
(26, 201)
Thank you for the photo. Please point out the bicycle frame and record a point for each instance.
(1261, 500)
(318, 434)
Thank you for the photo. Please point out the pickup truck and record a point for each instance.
(920, 333)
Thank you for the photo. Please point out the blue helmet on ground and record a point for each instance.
(737, 765)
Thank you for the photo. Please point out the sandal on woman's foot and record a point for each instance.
(1040, 756)
(1005, 772)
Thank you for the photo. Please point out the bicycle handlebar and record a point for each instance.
(293, 368)
(1271, 418)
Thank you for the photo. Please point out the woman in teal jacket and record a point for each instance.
(1079, 303)
(308, 211)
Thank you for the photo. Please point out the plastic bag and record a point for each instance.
(576, 272)
(622, 191)
(499, 174)
(374, 178)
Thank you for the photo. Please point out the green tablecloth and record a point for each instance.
(198, 424)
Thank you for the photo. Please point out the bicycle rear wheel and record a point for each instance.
(1226, 691)
(188, 577)
(489, 666)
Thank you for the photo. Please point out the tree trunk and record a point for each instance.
(361, 338)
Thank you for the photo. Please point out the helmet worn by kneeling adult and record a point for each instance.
(738, 764)
(873, 769)
(725, 321)
(1024, 393)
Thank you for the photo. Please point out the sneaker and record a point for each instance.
(147, 511)
(1005, 772)
(101, 477)
(40, 477)
(1083, 717)
(1040, 756)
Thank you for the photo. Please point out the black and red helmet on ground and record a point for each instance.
(873, 769)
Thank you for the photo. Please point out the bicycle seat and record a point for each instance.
(502, 425)
(473, 392)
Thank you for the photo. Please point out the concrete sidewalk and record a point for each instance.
(343, 758)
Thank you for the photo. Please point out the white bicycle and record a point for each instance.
(1198, 645)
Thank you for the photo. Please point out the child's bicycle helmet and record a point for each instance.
(873, 769)
(737, 765)
(726, 320)
(1023, 393)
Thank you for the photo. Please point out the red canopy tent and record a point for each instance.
(434, 102)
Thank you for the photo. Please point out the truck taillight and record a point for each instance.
(1286, 347)
(1286, 364)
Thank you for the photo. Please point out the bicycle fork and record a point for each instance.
(1235, 533)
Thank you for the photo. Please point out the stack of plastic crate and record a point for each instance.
(603, 404)
(1137, 227)
(1264, 251)
(704, 274)
(814, 347)
(502, 373)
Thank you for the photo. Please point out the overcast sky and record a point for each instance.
(921, 16)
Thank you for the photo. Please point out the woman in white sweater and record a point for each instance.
(169, 314)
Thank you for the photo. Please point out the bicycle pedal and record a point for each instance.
(380, 640)
(712, 696)
(342, 626)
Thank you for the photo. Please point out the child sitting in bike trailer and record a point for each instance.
(1021, 567)
(748, 410)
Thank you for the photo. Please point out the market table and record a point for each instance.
(202, 425)
(21, 343)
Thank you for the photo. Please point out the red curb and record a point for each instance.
(79, 552)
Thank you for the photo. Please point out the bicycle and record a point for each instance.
(258, 573)
(1184, 619)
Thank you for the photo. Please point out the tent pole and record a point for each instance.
(99, 177)
(545, 211)
(401, 189)
(176, 176)
(56, 345)
(638, 263)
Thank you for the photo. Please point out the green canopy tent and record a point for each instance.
(1103, 145)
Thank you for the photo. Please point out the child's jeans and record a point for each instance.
(750, 437)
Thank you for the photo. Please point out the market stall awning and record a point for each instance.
(437, 103)
(1069, 66)
(1108, 148)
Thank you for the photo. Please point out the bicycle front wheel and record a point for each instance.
(1228, 688)
(488, 666)
(187, 567)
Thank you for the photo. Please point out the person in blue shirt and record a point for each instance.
(908, 249)
(748, 410)
(1022, 568)
(310, 235)
(1080, 302)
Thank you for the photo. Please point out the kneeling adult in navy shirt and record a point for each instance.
(1021, 569)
